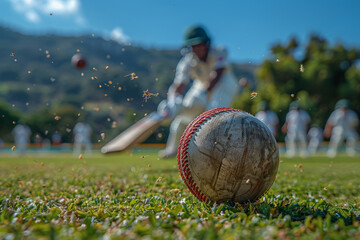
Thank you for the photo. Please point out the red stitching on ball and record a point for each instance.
(182, 153)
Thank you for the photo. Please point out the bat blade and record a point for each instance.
(136, 133)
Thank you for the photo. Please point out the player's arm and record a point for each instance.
(220, 65)
(276, 130)
(329, 126)
(175, 89)
(215, 77)
(328, 130)
(181, 78)
(284, 127)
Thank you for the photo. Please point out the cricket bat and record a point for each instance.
(136, 133)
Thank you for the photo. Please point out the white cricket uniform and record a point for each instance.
(22, 137)
(344, 128)
(315, 136)
(196, 100)
(270, 119)
(82, 135)
(297, 122)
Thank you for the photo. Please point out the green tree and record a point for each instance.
(7, 119)
(316, 76)
(62, 119)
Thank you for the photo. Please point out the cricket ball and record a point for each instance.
(227, 154)
(78, 61)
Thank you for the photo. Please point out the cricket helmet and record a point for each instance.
(342, 103)
(294, 106)
(195, 35)
(264, 105)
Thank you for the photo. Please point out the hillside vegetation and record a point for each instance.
(38, 82)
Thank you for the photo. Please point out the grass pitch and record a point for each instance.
(132, 196)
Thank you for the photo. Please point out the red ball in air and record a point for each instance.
(78, 61)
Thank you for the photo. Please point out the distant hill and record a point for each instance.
(40, 72)
(36, 73)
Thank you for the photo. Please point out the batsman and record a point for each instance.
(203, 81)
(213, 84)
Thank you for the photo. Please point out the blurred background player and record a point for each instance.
(56, 138)
(296, 126)
(315, 137)
(82, 135)
(213, 85)
(268, 117)
(342, 125)
(21, 134)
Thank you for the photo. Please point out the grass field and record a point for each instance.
(132, 196)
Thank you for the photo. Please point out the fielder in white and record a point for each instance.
(342, 125)
(21, 135)
(213, 85)
(315, 137)
(82, 134)
(268, 117)
(296, 126)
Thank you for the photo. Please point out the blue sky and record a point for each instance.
(247, 28)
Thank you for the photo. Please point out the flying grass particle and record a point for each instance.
(176, 191)
(132, 76)
(158, 180)
(148, 94)
(253, 95)
(302, 68)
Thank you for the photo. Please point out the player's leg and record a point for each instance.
(177, 127)
(335, 140)
(302, 144)
(351, 142)
(192, 105)
(290, 145)
(313, 144)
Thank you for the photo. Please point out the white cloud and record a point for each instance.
(32, 16)
(33, 9)
(62, 6)
(119, 36)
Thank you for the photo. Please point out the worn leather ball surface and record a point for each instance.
(228, 155)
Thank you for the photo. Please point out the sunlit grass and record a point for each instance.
(129, 196)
